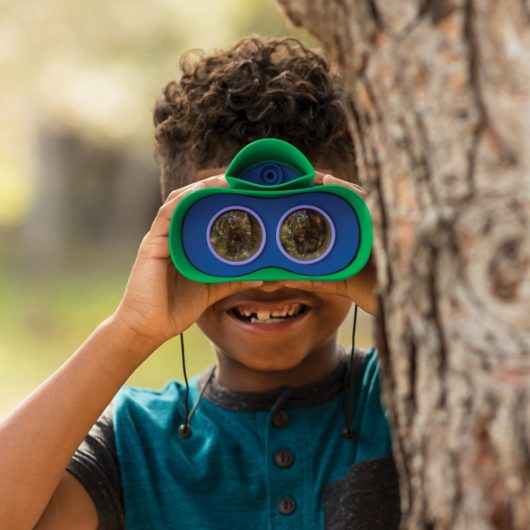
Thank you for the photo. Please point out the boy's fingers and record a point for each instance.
(160, 226)
(319, 177)
(176, 193)
(215, 180)
(330, 179)
(175, 196)
(326, 178)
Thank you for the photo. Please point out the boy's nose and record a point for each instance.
(269, 287)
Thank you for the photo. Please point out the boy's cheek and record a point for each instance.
(213, 323)
(207, 325)
(207, 316)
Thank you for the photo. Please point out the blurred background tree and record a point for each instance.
(78, 182)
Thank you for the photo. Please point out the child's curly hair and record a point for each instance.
(258, 88)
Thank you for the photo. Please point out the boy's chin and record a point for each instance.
(270, 363)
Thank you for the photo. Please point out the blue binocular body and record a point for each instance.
(271, 223)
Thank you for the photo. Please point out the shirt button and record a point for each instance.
(280, 419)
(287, 506)
(283, 458)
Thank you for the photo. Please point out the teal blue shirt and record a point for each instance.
(265, 461)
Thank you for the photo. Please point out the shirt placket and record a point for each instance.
(285, 471)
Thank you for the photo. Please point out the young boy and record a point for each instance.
(276, 436)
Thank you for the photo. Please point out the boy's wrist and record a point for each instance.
(131, 348)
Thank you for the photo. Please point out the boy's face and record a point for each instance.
(291, 325)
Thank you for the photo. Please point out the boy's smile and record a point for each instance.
(274, 336)
(268, 316)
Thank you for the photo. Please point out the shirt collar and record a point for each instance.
(282, 397)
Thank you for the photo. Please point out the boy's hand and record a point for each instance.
(361, 287)
(158, 302)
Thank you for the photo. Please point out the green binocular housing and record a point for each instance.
(271, 223)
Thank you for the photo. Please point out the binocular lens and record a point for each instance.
(271, 174)
(236, 235)
(305, 234)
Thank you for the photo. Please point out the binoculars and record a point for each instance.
(271, 223)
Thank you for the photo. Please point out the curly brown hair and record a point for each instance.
(259, 88)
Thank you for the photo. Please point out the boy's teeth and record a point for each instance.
(269, 315)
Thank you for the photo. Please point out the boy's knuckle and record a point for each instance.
(163, 210)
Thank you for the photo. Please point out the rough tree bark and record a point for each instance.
(438, 98)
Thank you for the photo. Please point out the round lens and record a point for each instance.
(236, 235)
(271, 174)
(306, 234)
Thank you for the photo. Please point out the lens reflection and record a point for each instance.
(236, 235)
(305, 234)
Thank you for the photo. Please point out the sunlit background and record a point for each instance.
(78, 183)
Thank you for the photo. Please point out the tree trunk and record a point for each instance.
(438, 101)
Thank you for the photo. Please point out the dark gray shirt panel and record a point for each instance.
(95, 465)
(366, 499)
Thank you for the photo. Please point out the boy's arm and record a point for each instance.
(40, 436)
(38, 439)
(71, 507)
